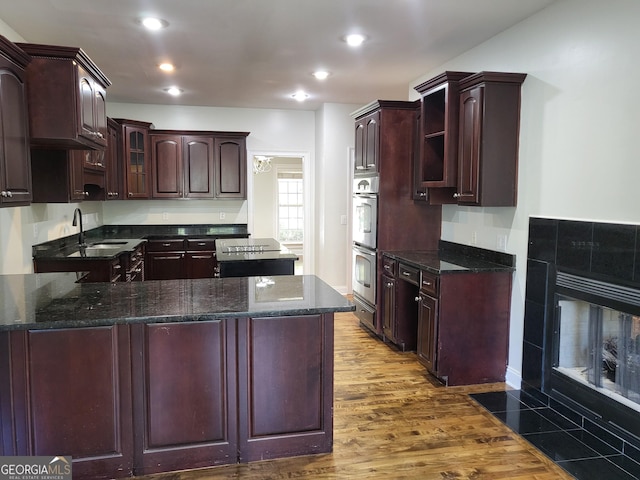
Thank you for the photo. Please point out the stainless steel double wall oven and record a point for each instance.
(364, 255)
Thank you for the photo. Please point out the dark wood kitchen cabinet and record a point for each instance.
(165, 259)
(463, 326)
(436, 160)
(66, 95)
(135, 158)
(367, 146)
(15, 161)
(80, 403)
(113, 160)
(488, 139)
(399, 307)
(172, 258)
(62, 176)
(402, 222)
(182, 166)
(185, 404)
(230, 165)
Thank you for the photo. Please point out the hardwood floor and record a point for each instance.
(392, 421)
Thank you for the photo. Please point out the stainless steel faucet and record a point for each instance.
(77, 214)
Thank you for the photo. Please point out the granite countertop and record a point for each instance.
(456, 258)
(56, 300)
(67, 248)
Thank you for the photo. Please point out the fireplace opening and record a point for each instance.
(596, 347)
(600, 348)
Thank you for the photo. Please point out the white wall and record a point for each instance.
(579, 119)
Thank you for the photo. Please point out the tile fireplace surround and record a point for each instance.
(604, 252)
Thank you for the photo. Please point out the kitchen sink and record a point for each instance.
(106, 245)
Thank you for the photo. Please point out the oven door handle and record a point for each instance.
(358, 249)
(364, 195)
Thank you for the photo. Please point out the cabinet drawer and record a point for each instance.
(167, 245)
(429, 283)
(388, 266)
(195, 244)
(409, 274)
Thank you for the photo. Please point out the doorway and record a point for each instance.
(279, 202)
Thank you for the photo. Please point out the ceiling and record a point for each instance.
(256, 53)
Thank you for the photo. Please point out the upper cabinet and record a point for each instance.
(113, 162)
(488, 139)
(367, 143)
(15, 163)
(66, 95)
(135, 157)
(230, 165)
(182, 165)
(198, 164)
(468, 131)
(436, 161)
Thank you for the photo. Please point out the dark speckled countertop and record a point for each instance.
(56, 300)
(456, 258)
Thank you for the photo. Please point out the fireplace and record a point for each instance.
(581, 345)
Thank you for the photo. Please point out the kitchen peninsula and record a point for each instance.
(143, 377)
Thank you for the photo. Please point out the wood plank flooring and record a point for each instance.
(392, 421)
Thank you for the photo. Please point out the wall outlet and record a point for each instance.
(222, 215)
(474, 238)
(165, 215)
(501, 243)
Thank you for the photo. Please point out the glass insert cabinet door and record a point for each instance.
(137, 167)
(599, 347)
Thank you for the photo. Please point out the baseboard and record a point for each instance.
(513, 378)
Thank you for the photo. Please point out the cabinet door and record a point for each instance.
(79, 404)
(388, 307)
(166, 166)
(198, 167)
(164, 265)
(469, 147)
(15, 163)
(427, 332)
(359, 164)
(92, 108)
(200, 264)
(372, 142)
(77, 159)
(185, 404)
(230, 167)
(113, 164)
(136, 162)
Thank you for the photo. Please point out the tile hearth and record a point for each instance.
(576, 450)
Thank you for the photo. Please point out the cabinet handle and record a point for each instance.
(428, 284)
(166, 244)
(371, 164)
(387, 268)
(406, 274)
(417, 299)
(422, 194)
(389, 284)
(6, 194)
(458, 195)
(360, 167)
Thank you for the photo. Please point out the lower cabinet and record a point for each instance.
(463, 326)
(171, 258)
(185, 407)
(138, 399)
(399, 304)
(70, 393)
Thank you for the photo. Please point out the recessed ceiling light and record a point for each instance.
(166, 67)
(355, 39)
(321, 74)
(152, 23)
(300, 96)
(175, 91)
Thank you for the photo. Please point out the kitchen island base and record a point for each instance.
(159, 394)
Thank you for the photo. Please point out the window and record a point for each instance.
(290, 207)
